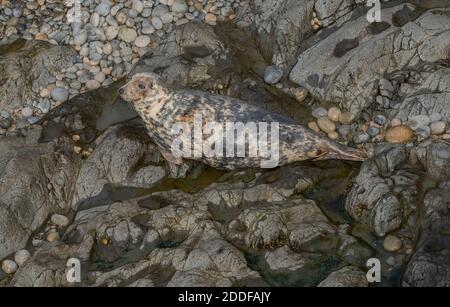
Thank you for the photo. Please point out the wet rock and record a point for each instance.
(30, 68)
(279, 40)
(25, 202)
(361, 138)
(346, 277)
(399, 134)
(435, 157)
(326, 125)
(334, 82)
(392, 243)
(9, 266)
(429, 266)
(116, 161)
(48, 266)
(273, 74)
(438, 128)
(319, 112)
(372, 201)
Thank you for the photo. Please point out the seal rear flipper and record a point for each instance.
(336, 151)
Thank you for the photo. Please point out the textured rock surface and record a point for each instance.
(346, 277)
(281, 26)
(117, 161)
(35, 181)
(430, 265)
(25, 70)
(329, 68)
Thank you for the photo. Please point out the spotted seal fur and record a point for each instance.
(161, 107)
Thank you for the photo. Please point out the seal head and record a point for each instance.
(142, 85)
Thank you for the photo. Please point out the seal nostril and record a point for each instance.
(121, 91)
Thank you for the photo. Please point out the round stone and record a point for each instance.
(333, 135)
(92, 84)
(157, 23)
(438, 128)
(52, 236)
(4, 114)
(333, 114)
(211, 19)
(319, 112)
(346, 118)
(273, 74)
(111, 33)
(424, 132)
(313, 126)
(435, 117)
(27, 112)
(80, 38)
(128, 35)
(60, 220)
(21, 257)
(138, 6)
(373, 131)
(60, 94)
(326, 125)
(180, 6)
(392, 243)
(380, 120)
(142, 41)
(166, 18)
(361, 138)
(100, 77)
(103, 8)
(9, 266)
(399, 134)
(148, 30)
(5, 123)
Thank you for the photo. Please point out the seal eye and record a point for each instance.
(141, 86)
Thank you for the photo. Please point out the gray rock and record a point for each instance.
(179, 6)
(280, 40)
(115, 161)
(346, 277)
(361, 138)
(430, 266)
(352, 46)
(380, 120)
(80, 38)
(28, 69)
(25, 201)
(60, 94)
(103, 8)
(320, 112)
(418, 121)
(373, 131)
(273, 74)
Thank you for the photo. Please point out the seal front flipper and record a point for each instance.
(171, 158)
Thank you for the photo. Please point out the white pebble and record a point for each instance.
(9, 266)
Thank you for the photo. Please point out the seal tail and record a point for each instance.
(336, 151)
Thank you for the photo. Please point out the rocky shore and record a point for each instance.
(80, 178)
